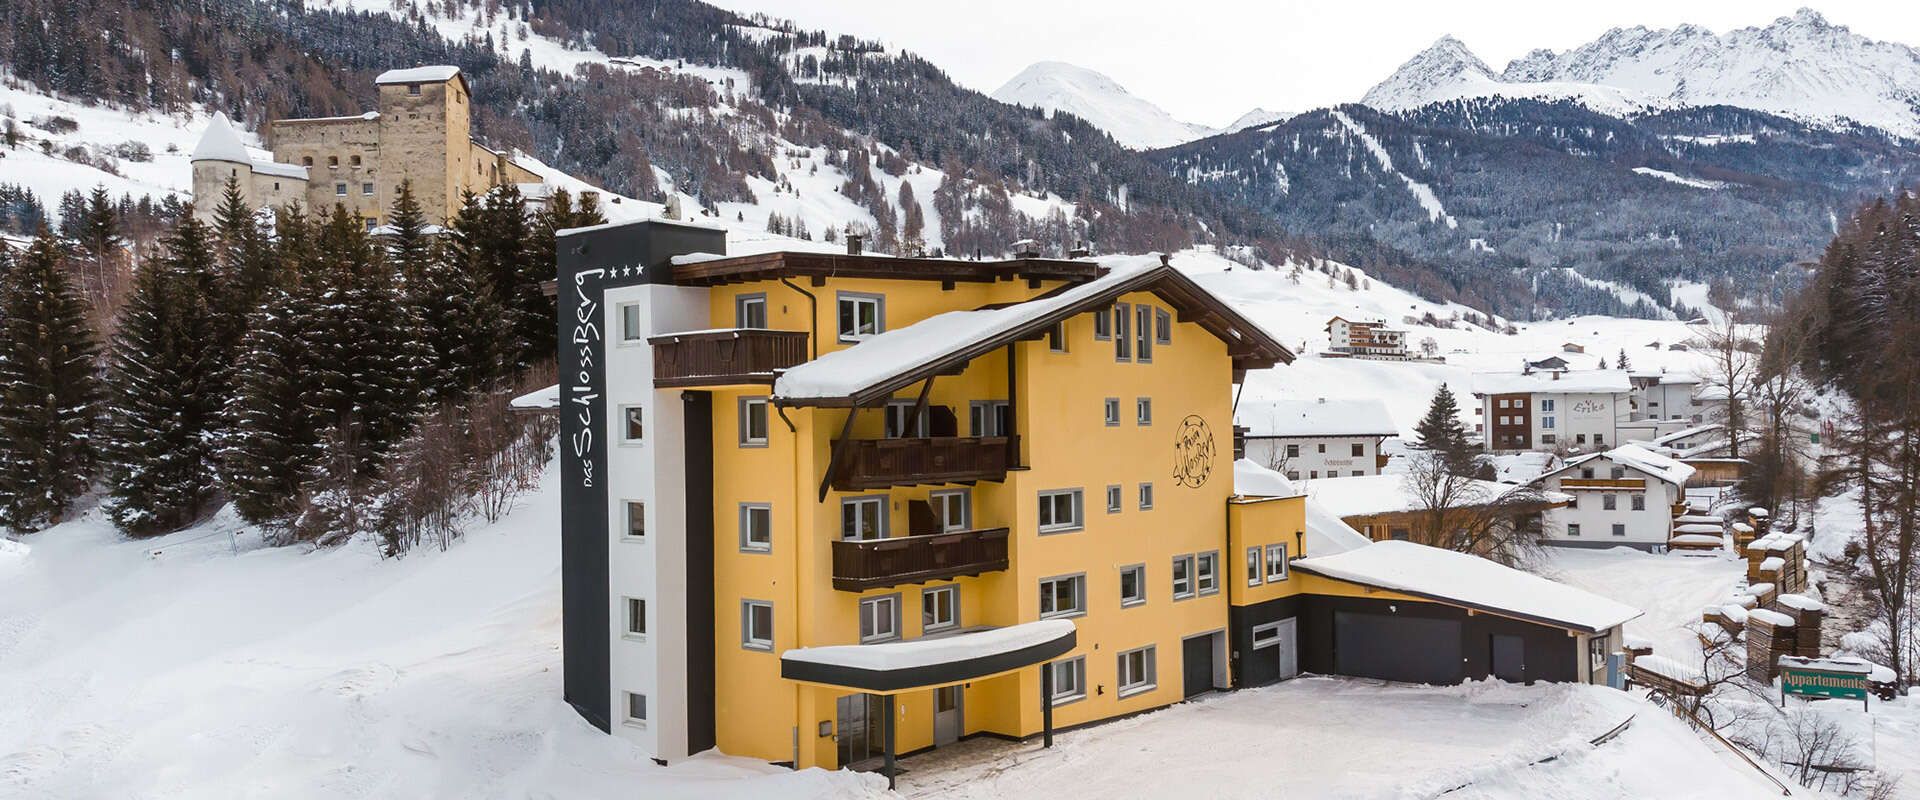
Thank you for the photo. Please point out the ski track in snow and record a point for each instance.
(1421, 192)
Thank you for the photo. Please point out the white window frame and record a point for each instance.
(1122, 332)
(1076, 667)
(928, 605)
(748, 641)
(742, 302)
(1135, 684)
(1076, 506)
(1143, 334)
(629, 718)
(1277, 567)
(747, 513)
(1110, 410)
(899, 422)
(865, 506)
(1113, 498)
(632, 332)
(1267, 635)
(984, 418)
(1057, 337)
(627, 531)
(626, 425)
(1182, 577)
(745, 409)
(856, 300)
(941, 501)
(1573, 529)
(1139, 573)
(635, 611)
(1206, 573)
(1078, 581)
(879, 609)
(1256, 569)
(1162, 326)
(1145, 496)
(1143, 411)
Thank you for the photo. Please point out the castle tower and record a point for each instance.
(219, 155)
(424, 122)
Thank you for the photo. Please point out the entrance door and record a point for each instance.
(1275, 653)
(1509, 658)
(948, 717)
(1197, 660)
(858, 735)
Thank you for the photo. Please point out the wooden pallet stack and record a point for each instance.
(1761, 520)
(1807, 614)
(1770, 635)
(1780, 559)
(1743, 535)
(1762, 594)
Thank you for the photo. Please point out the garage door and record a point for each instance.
(1396, 648)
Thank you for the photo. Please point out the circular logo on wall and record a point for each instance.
(1192, 452)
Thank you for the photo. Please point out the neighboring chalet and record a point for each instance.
(1627, 496)
(1310, 439)
(1366, 339)
(1551, 410)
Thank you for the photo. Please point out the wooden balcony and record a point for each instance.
(1634, 484)
(861, 564)
(881, 463)
(724, 357)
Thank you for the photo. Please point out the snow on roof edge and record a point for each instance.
(1459, 578)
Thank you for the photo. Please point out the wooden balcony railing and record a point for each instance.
(880, 463)
(724, 357)
(1603, 483)
(861, 564)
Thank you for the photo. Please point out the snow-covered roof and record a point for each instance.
(892, 666)
(1638, 458)
(1387, 494)
(1688, 432)
(1326, 533)
(1470, 581)
(1597, 381)
(280, 170)
(433, 74)
(1339, 416)
(1710, 393)
(897, 356)
(538, 400)
(221, 143)
(1252, 480)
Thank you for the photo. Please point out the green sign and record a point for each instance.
(1821, 683)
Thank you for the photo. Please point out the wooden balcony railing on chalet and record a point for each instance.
(1603, 483)
(861, 564)
(724, 357)
(880, 463)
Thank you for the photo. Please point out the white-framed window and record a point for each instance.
(633, 424)
(1573, 529)
(636, 519)
(1143, 334)
(1143, 411)
(1182, 577)
(1146, 497)
(753, 421)
(750, 310)
(1069, 678)
(1547, 422)
(1293, 451)
(1063, 596)
(1113, 499)
(901, 423)
(1122, 332)
(1057, 337)
(636, 709)
(861, 316)
(1112, 409)
(1609, 502)
(1546, 404)
(863, 517)
(636, 618)
(1162, 326)
(630, 328)
(988, 417)
(953, 507)
(756, 527)
(1276, 562)
(1619, 529)
(1137, 670)
(1061, 510)
(339, 189)
(1639, 502)
(1206, 572)
(756, 625)
(940, 608)
(1133, 585)
(880, 618)
(1254, 571)
(366, 188)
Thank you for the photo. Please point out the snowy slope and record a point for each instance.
(1097, 99)
(1257, 118)
(1799, 66)
(93, 154)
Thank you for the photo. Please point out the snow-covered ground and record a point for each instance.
(1672, 589)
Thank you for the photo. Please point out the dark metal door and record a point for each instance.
(1509, 658)
(1396, 648)
(1197, 658)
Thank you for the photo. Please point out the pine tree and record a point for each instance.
(460, 325)
(1442, 433)
(538, 319)
(168, 388)
(1623, 363)
(273, 434)
(49, 395)
(247, 265)
(368, 356)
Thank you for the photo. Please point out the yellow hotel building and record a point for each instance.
(825, 508)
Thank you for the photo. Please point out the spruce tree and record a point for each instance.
(367, 354)
(273, 433)
(1442, 433)
(537, 321)
(49, 394)
(167, 382)
(248, 266)
(460, 325)
(1623, 363)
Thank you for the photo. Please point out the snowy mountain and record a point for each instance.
(1800, 66)
(1256, 118)
(1096, 98)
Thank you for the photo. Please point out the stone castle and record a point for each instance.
(422, 133)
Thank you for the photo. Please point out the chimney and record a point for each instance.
(1080, 250)
(1555, 373)
(1026, 248)
(1166, 260)
(853, 244)
(1323, 401)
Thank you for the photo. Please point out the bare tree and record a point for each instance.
(1458, 512)
(1733, 361)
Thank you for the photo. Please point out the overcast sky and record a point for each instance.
(1208, 61)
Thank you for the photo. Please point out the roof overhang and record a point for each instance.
(787, 264)
(901, 666)
(1480, 608)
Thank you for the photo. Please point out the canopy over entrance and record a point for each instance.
(899, 666)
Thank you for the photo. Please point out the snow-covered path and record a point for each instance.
(1672, 589)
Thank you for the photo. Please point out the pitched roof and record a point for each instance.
(221, 143)
(1365, 495)
(1597, 381)
(431, 74)
(874, 369)
(1470, 581)
(1638, 458)
(1339, 416)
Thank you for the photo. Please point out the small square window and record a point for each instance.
(880, 619)
(1113, 499)
(1182, 577)
(636, 616)
(366, 188)
(861, 316)
(636, 519)
(1060, 511)
(1146, 497)
(634, 429)
(939, 609)
(1064, 596)
(954, 507)
(1206, 573)
(1359, 449)
(333, 161)
(636, 709)
(355, 160)
(1069, 679)
(1293, 451)
(863, 518)
(1143, 411)
(756, 625)
(750, 311)
(1136, 671)
(756, 527)
(753, 422)
(413, 89)
(1133, 585)
(1573, 529)
(340, 190)
(1112, 407)
(1276, 562)
(1619, 529)
(630, 327)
